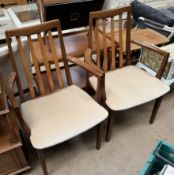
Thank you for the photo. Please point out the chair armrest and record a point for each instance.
(9, 89)
(84, 65)
(90, 67)
(150, 46)
(150, 52)
(87, 65)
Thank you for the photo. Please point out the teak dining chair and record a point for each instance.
(127, 86)
(51, 116)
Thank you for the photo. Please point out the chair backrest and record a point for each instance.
(107, 34)
(43, 36)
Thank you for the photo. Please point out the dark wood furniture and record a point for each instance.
(71, 13)
(12, 159)
(125, 86)
(49, 118)
(147, 35)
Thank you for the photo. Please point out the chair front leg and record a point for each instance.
(155, 109)
(42, 160)
(99, 136)
(109, 125)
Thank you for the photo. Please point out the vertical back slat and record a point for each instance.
(55, 58)
(46, 63)
(105, 63)
(120, 41)
(63, 51)
(96, 33)
(36, 66)
(25, 67)
(128, 35)
(112, 44)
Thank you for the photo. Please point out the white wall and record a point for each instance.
(154, 3)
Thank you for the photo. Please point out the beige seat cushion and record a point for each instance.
(60, 116)
(130, 86)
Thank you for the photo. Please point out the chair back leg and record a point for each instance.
(109, 126)
(99, 136)
(42, 160)
(155, 109)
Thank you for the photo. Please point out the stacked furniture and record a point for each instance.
(160, 20)
(163, 16)
(12, 159)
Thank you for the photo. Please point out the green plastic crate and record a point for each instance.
(162, 154)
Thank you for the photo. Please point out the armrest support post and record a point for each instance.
(90, 67)
(9, 90)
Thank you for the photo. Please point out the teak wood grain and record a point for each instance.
(147, 35)
(102, 23)
(76, 44)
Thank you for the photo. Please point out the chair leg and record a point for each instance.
(42, 160)
(99, 136)
(109, 126)
(155, 110)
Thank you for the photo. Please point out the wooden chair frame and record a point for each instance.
(45, 28)
(113, 46)
(109, 60)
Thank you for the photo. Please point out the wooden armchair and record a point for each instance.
(126, 86)
(51, 117)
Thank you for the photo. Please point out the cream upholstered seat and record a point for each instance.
(130, 86)
(66, 119)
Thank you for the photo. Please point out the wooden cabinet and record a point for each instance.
(12, 159)
(71, 13)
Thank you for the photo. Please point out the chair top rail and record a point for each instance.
(30, 30)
